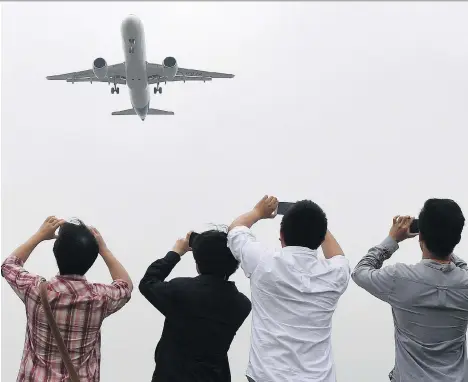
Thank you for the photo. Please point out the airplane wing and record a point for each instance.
(200, 73)
(118, 80)
(113, 71)
(157, 79)
(155, 74)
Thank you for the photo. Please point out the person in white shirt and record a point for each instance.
(294, 293)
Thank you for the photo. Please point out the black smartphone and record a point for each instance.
(414, 227)
(192, 237)
(283, 207)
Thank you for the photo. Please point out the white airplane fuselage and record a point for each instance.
(133, 38)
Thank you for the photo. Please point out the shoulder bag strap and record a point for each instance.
(56, 333)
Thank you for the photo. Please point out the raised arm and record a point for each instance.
(45, 232)
(12, 269)
(154, 288)
(119, 292)
(242, 242)
(264, 209)
(330, 247)
(368, 273)
(116, 269)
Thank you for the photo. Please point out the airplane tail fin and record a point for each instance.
(150, 112)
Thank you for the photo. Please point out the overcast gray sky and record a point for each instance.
(361, 107)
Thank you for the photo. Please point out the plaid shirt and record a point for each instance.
(79, 308)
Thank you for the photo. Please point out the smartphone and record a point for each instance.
(283, 207)
(192, 237)
(414, 227)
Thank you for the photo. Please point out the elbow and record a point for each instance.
(130, 285)
(359, 277)
(233, 225)
(129, 295)
(143, 286)
(2, 270)
(355, 276)
(127, 289)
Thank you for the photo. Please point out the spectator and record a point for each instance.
(79, 307)
(202, 313)
(429, 300)
(294, 293)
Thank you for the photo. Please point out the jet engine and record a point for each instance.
(170, 67)
(100, 68)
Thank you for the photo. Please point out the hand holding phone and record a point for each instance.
(414, 227)
(192, 238)
(283, 207)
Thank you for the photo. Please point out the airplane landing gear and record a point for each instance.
(131, 48)
(157, 90)
(115, 90)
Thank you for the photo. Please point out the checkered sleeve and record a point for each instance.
(116, 294)
(20, 280)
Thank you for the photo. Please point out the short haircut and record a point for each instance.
(441, 223)
(304, 225)
(212, 255)
(75, 249)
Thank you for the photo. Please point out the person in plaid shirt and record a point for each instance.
(79, 307)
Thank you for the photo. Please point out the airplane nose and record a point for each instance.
(130, 25)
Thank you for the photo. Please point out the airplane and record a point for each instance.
(137, 73)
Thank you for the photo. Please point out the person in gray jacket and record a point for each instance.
(429, 300)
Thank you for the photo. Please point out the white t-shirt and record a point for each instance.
(294, 296)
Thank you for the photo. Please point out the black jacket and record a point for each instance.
(202, 314)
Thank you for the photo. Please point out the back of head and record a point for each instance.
(441, 224)
(304, 225)
(75, 249)
(212, 255)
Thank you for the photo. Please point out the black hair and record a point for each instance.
(212, 255)
(304, 225)
(75, 249)
(441, 224)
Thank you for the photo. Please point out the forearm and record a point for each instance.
(152, 286)
(376, 256)
(24, 251)
(369, 274)
(116, 269)
(246, 220)
(330, 247)
(159, 270)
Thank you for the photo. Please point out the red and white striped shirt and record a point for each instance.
(79, 308)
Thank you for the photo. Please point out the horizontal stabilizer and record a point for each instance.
(150, 112)
(125, 112)
(159, 112)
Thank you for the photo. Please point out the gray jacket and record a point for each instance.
(429, 303)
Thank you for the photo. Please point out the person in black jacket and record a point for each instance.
(202, 313)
